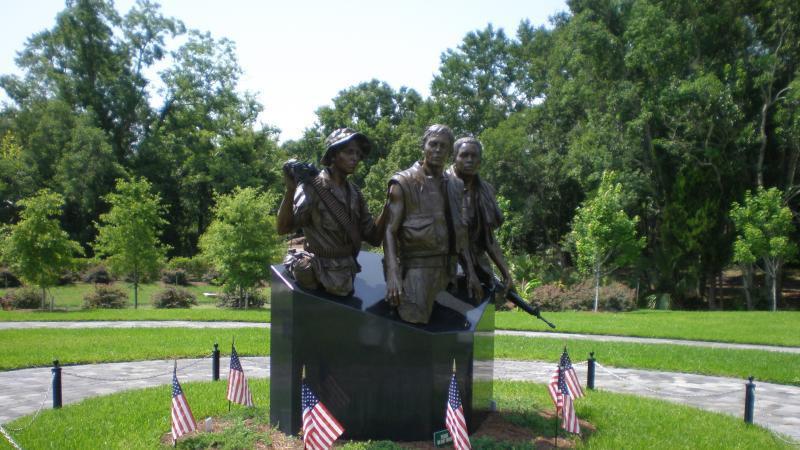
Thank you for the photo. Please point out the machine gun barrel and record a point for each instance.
(512, 295)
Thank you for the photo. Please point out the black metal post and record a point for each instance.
(56, 385)
(590, 372)
(215, 363)
(749, 400)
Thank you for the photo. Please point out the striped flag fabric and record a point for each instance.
(454, 418)
(569, 421)
(552, 388)
(320, 428)
(571, 377)
(238, 389)
(182, 419)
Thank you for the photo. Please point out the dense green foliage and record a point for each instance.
(242, 241)
(36, 247)
(691, 103)
(764, 232)
(128, 235)
(603, 235)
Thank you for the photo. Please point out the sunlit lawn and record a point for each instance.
(139, 419)
(752, 327)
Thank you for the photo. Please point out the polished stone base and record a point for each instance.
(380, 377)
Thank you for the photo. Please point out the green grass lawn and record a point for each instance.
(782, 368)
(749, 327)
(39, 347)
(139, 419)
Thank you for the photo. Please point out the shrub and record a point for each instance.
(231, 300)
(172, 297)
(68, 277)
(8, 279)
(105, 297)
(213, 277)
(177, 277)
(23, 298)
(195, 267)
(614, 297)
(6, 302)
(97, 274)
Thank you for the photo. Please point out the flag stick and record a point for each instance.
(562, 397)
(233, 339)
(175, 373)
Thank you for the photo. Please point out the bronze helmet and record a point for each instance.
(338, 138)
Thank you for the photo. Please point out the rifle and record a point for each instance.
(512, 295)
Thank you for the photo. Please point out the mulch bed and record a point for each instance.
(496, 426)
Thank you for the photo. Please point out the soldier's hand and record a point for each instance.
(394, 289)
(508, 284)
(475, 288)
(288, 178)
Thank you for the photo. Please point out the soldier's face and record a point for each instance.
(346, 159)
(468, 160)
(437, 150)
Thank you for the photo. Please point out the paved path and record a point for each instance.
(777, 406)
(532, 334)
(641, 340)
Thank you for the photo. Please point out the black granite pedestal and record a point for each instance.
(380, 377)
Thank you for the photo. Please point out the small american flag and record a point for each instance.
(320, 428)
(182, 418)
(454, 418)
(238, 389)
(571, 377)
(569, 421)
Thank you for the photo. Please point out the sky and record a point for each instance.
(297, 55)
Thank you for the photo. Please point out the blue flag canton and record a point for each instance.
(566, 363)
(235, 364)
(309, 399)
(176, 387)
(452, 395)
(562, 383)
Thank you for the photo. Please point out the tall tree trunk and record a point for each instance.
(596, 289)
(44, 299)
(135, 289)
(747, 284)
(711, 292)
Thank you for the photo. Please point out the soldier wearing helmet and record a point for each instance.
(332, 214)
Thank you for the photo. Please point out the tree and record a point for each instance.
(36, 247)
(603, 234)
(241, 241)
(129, 232)
(764, 227)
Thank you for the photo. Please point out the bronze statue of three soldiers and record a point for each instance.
(433, 221)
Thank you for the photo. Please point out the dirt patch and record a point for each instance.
(497, 426)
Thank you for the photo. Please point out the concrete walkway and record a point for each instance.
(777, 406)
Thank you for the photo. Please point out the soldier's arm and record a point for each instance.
(394, 210)
(496, 255)
(285, 219)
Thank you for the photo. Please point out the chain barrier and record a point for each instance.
(149, 377)
(669, 394)
(36, 414)
(10, 439)
(792, 443)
